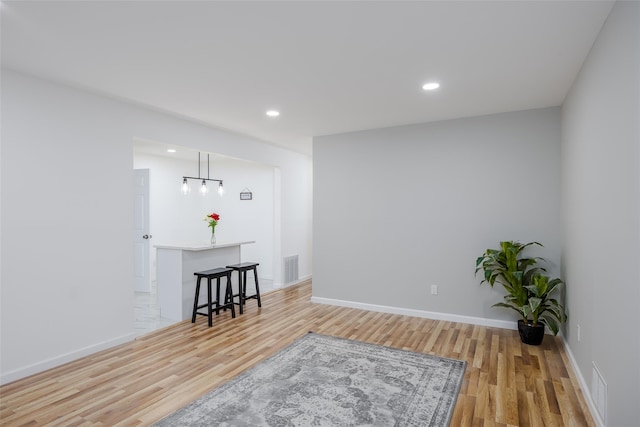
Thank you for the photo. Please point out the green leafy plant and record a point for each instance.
(541, 308)
(528, 288)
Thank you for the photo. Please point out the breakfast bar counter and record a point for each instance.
(175, 265)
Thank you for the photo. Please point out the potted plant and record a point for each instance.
(528, 289)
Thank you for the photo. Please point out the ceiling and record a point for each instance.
(328, 67)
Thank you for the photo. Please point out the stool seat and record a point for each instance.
(215, 273)
(244, 265)
(212, 272)
(242, 269)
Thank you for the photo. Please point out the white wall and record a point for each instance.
(399, 209)
(66, 226)
(601, 198)
(67, 215)
(177, 218)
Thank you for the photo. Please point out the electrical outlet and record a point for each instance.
(434, 289)
(578, 327)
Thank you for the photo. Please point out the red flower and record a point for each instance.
(212, 219)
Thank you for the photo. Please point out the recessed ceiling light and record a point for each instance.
(171, 150)
(273, 113)
(431, 86)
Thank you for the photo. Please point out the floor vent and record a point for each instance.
(290, 269)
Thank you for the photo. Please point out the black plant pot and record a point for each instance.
(530, 334)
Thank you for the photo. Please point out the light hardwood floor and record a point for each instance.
(506, 383)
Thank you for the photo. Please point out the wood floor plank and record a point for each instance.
(506, 382)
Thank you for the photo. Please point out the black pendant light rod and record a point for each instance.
(208, 172)
(201, 179)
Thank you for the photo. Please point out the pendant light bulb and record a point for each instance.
(185, 189)
(203, 188)
(220, 189)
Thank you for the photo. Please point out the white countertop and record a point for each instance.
(201, 246)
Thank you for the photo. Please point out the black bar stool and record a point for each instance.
(216, 273)
(242, 269)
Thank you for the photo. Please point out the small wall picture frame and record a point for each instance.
(246, 194)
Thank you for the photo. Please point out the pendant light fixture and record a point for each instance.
(185, 187)
(203, 186)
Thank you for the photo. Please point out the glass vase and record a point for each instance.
(213, 236)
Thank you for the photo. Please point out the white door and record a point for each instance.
(141, 230)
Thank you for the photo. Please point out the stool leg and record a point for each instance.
(255, 275)
(244, 287)
(240, 291)
(230, 296)
(218, 295)
(195, 301)
(209, 310)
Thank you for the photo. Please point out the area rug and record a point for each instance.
(321, 380)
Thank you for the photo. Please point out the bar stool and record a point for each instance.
(242, 269)
(216, 273)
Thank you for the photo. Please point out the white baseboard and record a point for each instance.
(586, 391)
(296, 282)
(35, 368)
(504, 324)
(300, 280)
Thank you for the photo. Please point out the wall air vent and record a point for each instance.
(599, 393)
(290, 269)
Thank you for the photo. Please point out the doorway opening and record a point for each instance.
(176, 218)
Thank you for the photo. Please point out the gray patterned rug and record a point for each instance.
(327, 381)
